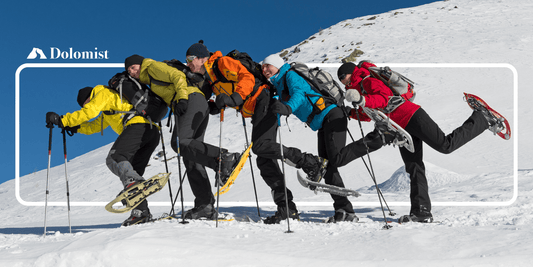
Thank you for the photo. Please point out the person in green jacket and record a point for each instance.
(191, 111)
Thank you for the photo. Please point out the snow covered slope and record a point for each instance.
(473, 189)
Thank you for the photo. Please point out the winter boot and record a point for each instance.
(138, 216)
(281, 214)
(495, 123)
(229, 162)
(423, 215)
(387, 135)
(206, 211)
(343, 216)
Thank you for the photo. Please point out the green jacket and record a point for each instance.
(166, 81)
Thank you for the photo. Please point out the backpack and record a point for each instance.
(401, 86)
(322, 83)
(193, 79)
(145, 102)
(254, 68)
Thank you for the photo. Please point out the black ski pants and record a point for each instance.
(423, 129)
(131, 153)
(267, 150)
(331, 139)
(189, 131)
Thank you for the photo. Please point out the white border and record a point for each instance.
(308, 204)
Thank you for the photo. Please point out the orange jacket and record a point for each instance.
(233, 70)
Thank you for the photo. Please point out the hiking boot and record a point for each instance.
(281, 214)
(495, 122)
(343, 216)
(138, 216)
(423, 215)
(314, 167)
(388, 136)
(229, 162)
(206, 211)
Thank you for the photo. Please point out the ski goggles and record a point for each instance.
(190, 58)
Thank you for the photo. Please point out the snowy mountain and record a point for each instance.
(481, 193)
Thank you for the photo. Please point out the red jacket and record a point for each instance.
(376, 95)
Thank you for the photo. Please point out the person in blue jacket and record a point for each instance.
(331, 124)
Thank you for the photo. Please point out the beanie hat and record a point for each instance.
(199, 50)
(83, 94)
(346, 68)
(132, 60)
(274, 60)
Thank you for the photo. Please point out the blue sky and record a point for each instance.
(156, 29)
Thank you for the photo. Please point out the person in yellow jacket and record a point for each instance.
(235, 92)
(132, 150)
(191, 112)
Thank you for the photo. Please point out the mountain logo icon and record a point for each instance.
(36, 51)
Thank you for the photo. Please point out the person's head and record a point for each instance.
(271, 65)
(344, 73)
(196, 56)
(132, 64)
(84, 96)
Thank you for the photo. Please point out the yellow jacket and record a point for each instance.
(170, 83)
(102, 99)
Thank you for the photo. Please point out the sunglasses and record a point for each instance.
(342, 77)
(189, 59)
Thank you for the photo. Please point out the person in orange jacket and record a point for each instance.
(236, 89)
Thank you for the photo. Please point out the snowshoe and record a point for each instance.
(497, 123)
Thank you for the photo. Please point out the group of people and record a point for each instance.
(187, 93)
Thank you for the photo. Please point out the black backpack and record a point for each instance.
(193, 79)
(253, 67)
(145, 102)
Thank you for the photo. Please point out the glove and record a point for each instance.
(213, 109)
(180, 107)
(71, 130)
(53, 118)
(347, 110)
(353, 96)
(223, 100)
(280, 108)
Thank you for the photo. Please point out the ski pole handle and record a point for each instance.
(279, 123)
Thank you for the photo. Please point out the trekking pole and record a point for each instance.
(283, 170)
(371, 172)
(219, 161)
(380, 194)
(166, 168)
(50, 126)
(251, 167)
(371, 169)
(180, 191)
(66, 178)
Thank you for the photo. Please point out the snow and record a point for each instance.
(482, 193)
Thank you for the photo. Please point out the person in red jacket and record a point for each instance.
(364, 90)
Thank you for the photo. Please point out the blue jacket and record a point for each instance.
(298, 101)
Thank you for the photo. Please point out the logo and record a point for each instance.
(56, 53)
(36, 51)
